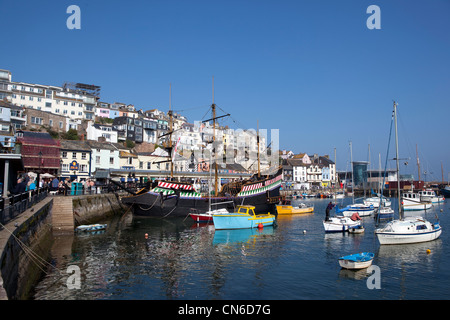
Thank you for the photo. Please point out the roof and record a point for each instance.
(36, 138)
(127, 154)
(75, 145)
(100, 145)
(296, 163)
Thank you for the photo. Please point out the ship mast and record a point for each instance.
(170, 129)
(216, 177)
(257, 143)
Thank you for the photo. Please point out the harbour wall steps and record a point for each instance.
(32, 233)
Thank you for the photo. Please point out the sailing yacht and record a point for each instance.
(406, 230)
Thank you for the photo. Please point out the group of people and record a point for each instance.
(26, 182)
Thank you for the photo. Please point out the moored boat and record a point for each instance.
(408, 230)
(340, 224)
(428, 195)
(206, 217)
(411, 201)
(287, 208)
(362, 210)
(243, 218)
(385, 213)
(357, 261)
(411, 229)
(90, 227)
(175, 199)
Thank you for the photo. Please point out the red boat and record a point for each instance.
(207, 216)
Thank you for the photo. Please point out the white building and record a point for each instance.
(94, 131)
(75, 101)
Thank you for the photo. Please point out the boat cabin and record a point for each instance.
(427, 193)
(250, 210)
(411, 195)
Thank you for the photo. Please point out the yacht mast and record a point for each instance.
(400, 209)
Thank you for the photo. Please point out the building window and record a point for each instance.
(64, 154)
(50, 123)
(74, 155)
(83, 168)
(60, 124)
(48, 104)
(111, 160)
(83, 155)
(48, 94)
(35, 120)
(65, 167)
(97, 160)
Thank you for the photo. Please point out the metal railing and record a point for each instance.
(14, 205)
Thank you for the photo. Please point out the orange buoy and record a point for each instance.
(146, 235)
(260, 226)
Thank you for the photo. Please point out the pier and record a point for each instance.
(27, 236)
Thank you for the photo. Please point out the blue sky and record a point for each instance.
(311, 69)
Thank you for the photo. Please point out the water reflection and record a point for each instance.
(179, 259)
(248, 236)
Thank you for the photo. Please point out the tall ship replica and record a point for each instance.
(172, 198)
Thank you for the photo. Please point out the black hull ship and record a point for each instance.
(177, 199)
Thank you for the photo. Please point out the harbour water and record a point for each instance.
(293, 260)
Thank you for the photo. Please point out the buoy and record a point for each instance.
(146, 235)
(428, 251)
(260, 226)
(304, 231)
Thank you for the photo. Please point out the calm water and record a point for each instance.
(179, 260)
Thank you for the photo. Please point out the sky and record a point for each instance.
(310, 68)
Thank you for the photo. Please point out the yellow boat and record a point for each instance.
(287, 208)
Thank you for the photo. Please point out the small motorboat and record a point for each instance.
(356, 229)
(411, 201)
(356, 261)
(340, 224)
(385, 213)
(428, 195)
(286, 207)
(207, 216)
(90, 227)
(362, 210)
(243, 218)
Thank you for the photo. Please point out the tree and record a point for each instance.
(71, 134)
(129, 144)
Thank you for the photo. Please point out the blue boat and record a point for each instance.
(243, 218)
(357, 260)
(90, 227)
